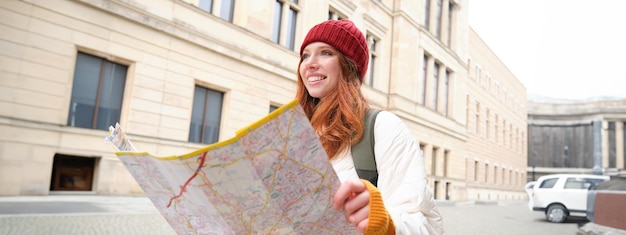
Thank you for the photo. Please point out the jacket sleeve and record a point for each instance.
(402, 178)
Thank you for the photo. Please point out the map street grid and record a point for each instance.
(273, 177)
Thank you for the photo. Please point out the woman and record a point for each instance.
(333, 62)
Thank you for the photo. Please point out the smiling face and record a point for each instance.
(319, 69)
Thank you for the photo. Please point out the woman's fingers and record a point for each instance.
(347, 190)
(362, 213)
(354, 198)
(355, 204)
(362, 225)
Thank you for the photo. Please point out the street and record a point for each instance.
(136, 215)
(511, 217)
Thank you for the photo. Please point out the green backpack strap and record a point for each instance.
(363, 151)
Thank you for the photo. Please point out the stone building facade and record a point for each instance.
(180, 74)
(576, 137)
(496, 126)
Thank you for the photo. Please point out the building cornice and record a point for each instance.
(188, 32)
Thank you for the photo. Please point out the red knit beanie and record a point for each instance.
(345, 37)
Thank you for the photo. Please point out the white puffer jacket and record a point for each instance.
(401, 177)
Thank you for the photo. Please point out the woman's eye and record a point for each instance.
(325, 52)
(304, 56)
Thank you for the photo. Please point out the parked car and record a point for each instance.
(562, 195)
(529, 191)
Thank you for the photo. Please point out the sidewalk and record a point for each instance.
(64, 204)
(84, 214)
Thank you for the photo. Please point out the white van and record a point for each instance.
(563, 195)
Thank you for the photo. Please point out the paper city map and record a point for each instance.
(273, 177)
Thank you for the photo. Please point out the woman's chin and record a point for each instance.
(318, 95)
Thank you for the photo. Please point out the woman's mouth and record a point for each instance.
(315, 78)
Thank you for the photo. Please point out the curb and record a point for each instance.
(596, 229)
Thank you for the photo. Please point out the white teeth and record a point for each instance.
(315, 79)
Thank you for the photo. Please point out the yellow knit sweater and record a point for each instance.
(380, 221)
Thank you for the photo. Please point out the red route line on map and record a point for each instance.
(184, 187)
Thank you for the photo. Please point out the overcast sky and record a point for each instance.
(566, 49)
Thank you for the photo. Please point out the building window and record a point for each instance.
(496, 88)
(422, 147)
(477, 120)
(486, 172)
(478, 74)
(335, 15)
(435, 152)
(504, 132)
(205, 115)
(497, 129)
(278, 6)
(206, 5)
(450, 12)
(439, 12)
(285, 17)
(373, 43)
(422, 80)
(523, 143)
(427, 14)
(446, 157)
(227, 8)
(516, 142)
(487, 123)
(475, 171)
(435, 86)
(511, 143)
(291, 28)
(97, 92)
(446, 92)
(273, 107)
(495, 175)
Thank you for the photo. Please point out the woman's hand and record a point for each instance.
(353, 196)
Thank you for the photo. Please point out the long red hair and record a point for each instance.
(338, 117)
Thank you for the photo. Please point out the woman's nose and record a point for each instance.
(311, 62)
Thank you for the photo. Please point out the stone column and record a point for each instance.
(428, 159)
(430, 72)
(597, 147)
(619, 144)
(436, 161)
(605, 144)
(421, 97)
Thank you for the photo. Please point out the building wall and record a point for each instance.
(561, 146)
(172, 46)
(169, 47)
(496, 126)
(576, 137)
